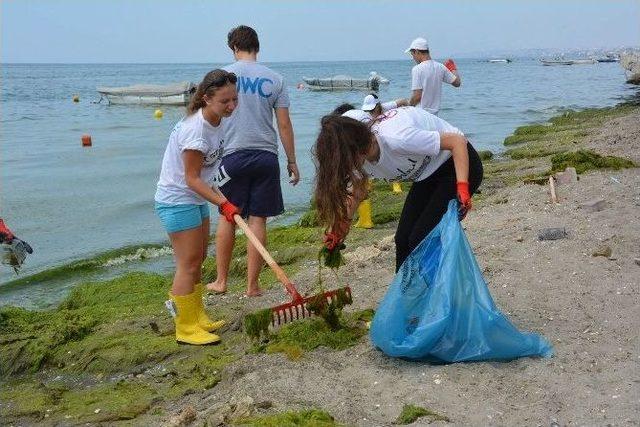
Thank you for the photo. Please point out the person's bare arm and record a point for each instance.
(193, 161)
(341, 229)
(402, 102)
(415, 97)
(457, 144)
(285, 130)
(353, 202)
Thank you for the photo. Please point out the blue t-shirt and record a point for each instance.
(260, 91)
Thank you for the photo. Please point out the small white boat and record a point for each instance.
(143, 94)
(583, 61)
(343, 82)
(500, 61)
(555, 62)
(609, 57)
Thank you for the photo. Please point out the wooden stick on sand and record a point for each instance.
(552, 186)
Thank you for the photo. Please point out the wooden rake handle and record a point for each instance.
(280, 274)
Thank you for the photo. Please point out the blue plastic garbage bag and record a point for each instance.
(439, 309)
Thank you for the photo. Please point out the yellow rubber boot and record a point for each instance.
(364, 215)
(203, 320)
(397, 188)
(187, 329)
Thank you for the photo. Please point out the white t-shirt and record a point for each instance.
(191, 133)
(428, 76)
(409, 141)
(365, 116)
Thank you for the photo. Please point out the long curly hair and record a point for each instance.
(212, 81)
(339, 152)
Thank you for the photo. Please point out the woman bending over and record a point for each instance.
(403, 144)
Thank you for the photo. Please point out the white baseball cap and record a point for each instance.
(369, 103)
(418, 44)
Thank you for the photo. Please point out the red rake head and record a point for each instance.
(299, 308)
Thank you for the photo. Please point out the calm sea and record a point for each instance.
(71, 202)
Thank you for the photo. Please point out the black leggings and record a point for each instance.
(427, 202)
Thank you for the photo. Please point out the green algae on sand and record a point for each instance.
(90, 265)
(585, 160)
(306, 418)
(305, 335)
(104, 354)
(411, 413)
(256, 325)
(537, 150)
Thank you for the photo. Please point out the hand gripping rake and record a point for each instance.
(298, 307)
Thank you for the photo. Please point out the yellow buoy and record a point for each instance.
(76, 98)
(158, 114)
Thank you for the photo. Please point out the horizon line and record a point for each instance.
(517, 53)
(520, 53)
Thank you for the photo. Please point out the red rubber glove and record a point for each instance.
(464, 197)
(6, 236)
(228, 210)
(336, 236)
(451, 66)
(331, 240)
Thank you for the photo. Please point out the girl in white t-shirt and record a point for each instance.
(403, 144)
(185, 187)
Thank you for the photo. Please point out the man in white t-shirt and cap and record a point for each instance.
(427, 77)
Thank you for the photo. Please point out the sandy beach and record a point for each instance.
(580, 292)
(586, 305)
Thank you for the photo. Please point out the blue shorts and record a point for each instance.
(176, 218)
(250, 179)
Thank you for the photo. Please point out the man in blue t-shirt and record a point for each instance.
(249, 173)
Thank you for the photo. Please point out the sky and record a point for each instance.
(148, 31)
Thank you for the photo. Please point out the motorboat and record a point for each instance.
(563, 61)
(583, 61)
(145, 94)
(609, 57)
(555, 62)
(344, 82)
(499, 61)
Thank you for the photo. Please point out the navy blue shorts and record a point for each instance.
(250, 179)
